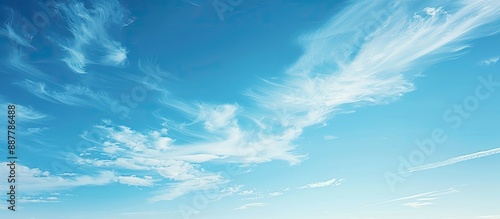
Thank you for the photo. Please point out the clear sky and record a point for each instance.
(223, 109)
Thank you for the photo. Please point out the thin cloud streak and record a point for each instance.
(250, 205)
(74, 95)
(328, 183)
(419, 200)
(454, 160)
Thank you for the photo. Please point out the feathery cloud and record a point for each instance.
(236, 138)
(17, 62)
(122, 148)
(74, 95)
(490, 61)
(25, 113)
(91, 42)
(356, 60)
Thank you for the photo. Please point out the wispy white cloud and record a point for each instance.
(35, 180)
(327, 183)
(202, 182)
(454, 160)
(74, 95)
(194, 3)
(274, 194)
(419, 203)
(123, 138)
(231, 190)
(122, 148)
(253, 194)
(434, 11)
(247, 192)
(490, 61)
(29, 199)
(251, 205)
(26, 113)
(136, 181)
(91, 42)
(419, 200)
(216, 117)
(369, 54)
(428, 199)
(227, 131)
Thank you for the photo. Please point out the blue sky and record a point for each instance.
(246, 109)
